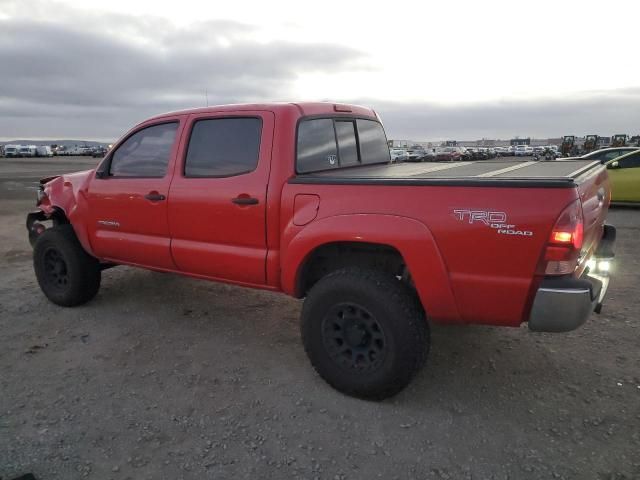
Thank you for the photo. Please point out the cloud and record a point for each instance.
(57, 75)
(75, 73)
(604, 113)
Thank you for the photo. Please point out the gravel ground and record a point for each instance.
(167, 377)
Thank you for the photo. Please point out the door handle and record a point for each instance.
(245, 200)
(154, 196)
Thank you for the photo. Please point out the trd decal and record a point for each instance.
(492, 219)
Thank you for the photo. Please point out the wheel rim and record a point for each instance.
(55, 269)
(353, 338)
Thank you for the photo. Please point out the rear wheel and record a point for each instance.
(67, 275)
(364, 332)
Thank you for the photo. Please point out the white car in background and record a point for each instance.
(398, 155)
(28, 151)
(523, 151)
(11, 150)
(44, 151)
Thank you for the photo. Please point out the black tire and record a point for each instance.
(67, 275)
(365, 332)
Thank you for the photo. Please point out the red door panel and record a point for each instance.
(128, 215)
(217, 224)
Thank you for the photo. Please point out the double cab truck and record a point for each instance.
(302, 198)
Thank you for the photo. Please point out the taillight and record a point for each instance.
(565, 241)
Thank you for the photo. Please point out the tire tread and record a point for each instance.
(400, 299)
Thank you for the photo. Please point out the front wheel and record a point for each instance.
(364, 332)
(67, 275)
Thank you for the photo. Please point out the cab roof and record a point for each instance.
(301, 108)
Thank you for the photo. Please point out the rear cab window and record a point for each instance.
(329, 143)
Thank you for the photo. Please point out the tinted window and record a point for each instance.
(145, 153)
(223, 147)
(347, 148)
(632, 161)
(612, 155)
(316, 145)
(373, 142)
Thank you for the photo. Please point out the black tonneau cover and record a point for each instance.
(514, 173)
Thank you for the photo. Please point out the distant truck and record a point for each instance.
(590, 143)
(44, 151)
(27, 151)
(619, 140)
(568, 147)
(11, 150)
(303, 199)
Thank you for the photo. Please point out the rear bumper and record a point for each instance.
(563, 304)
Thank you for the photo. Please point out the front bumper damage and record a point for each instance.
(34, 227)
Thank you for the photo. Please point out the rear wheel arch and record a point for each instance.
(410, 240)
(330, 257)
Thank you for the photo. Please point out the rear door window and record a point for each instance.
(146, 153)
(223, 147)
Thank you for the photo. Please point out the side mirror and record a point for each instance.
(103, 168)
(614, 164)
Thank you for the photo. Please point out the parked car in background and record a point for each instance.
(100, 152)
(503, 151)
(416, 155)
(429, 155)
(450, 154)
(398, 155)
(11, 150)
(27, 151)
(477, 154)
(523, 151)
(606, 154)
(44, 151)
(624, 175)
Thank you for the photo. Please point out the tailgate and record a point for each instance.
(595, 194)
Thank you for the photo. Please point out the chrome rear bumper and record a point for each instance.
(558, 308)
(563, 304)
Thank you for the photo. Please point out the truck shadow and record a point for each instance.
(474, 370)
(470, 369)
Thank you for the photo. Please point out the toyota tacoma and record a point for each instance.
(302, 198)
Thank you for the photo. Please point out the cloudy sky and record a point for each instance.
(433, 70)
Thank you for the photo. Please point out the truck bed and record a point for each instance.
(513, 173)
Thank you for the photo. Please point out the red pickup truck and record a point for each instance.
(302, 198)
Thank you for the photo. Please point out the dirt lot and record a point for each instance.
(166, 377)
